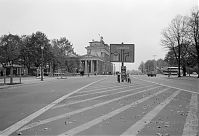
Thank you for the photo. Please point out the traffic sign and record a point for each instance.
(122, 52)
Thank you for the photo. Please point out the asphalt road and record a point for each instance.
(99, 105)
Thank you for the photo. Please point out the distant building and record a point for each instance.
(16, 69)
(97, 59)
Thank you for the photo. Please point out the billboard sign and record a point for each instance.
(122, 52)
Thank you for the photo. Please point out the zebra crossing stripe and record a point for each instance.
(100, 96)
(94, 91)
(107, 116)
(168, 86)
(116, 87)
(78, 111)
(26, 120)
(134, 129)
(191, 125)
(103, 88)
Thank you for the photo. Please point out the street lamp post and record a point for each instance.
(42, 59)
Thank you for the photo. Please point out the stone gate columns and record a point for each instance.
(96, 66)
(86, 66)
(92, 68)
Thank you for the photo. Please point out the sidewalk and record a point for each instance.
(33, 80)
(185, 78)
(191, 77)
(24, 80)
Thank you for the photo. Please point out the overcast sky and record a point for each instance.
(128, 21)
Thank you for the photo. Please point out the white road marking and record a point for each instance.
(93, 98)
(107, 116)
(26, 120)
(93, 91)
(104, 88)
(168, 86)
(191, 125)
(134, 129)
(169, 80)
(78, 111)
(110, 82)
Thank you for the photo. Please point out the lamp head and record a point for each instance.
(42, 47)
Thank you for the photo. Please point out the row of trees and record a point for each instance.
(181, 38)
(26, 51)
(151, 65)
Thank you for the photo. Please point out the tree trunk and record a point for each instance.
(198, 61)
(198, 65)
(11, 75)
(184, 70)
(28, 68)
(179, 51)
(4, 73)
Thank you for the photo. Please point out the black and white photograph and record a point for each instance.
(99, 68)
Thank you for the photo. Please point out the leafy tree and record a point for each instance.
(142, 67)
(149, 65)
(191, 56)
(188, 58)
(38, 40)
(160, 63)
(9, 48)
(27, 52)
(72, 64)
(170, 58)
(56, 53)
(31, 50)
(9, 51)
(61, 49)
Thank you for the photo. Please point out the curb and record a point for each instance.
(24, 82)
(34, 80)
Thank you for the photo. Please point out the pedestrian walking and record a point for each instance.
(118, 78)
(128, 78)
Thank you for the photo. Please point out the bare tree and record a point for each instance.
(175, 36)
(194, 32)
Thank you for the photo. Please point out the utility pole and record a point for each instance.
(42, 61)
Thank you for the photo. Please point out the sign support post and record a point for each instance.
(122, 53)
